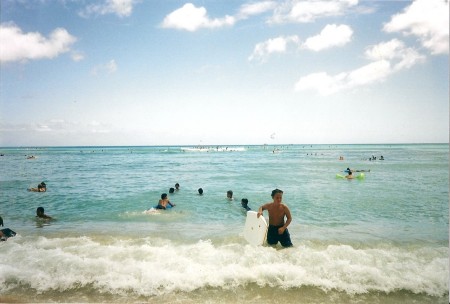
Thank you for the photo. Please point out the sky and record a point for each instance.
(212, 72)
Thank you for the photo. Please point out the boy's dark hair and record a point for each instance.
(276, 191)
(164, 195)
(200, 190)
(171, 190)
(40, 209)
(244, 200)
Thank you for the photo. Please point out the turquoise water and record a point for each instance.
(381, 239)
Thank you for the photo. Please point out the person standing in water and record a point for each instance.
(277, 231)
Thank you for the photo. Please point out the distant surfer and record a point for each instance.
(164, 201)
(277, 231)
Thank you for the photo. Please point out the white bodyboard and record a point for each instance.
(255, 230)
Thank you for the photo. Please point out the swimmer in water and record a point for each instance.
(164, 201)
(40, 214)
(244, 203)
(42, 187)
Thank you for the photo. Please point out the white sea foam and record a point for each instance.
(150, 266)
(213, 149)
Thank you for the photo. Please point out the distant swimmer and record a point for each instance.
(355, 170)
(164, 201)
(200, 191)
(230, 195)
(171, 190)
(349, 175)
(42, 187)
(177, 186)
(244, 203)
(31, 157)
(40, 214)
(277, 231)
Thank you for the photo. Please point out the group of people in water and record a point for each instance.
(278, 212)
(6, 233)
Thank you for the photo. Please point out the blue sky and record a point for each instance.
(130, 72)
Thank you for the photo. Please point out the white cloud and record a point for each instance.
(18, 46)
(109, 68)
(308, 11)
(77, 56)
(191, 18)
(387, 58)
(275, 45)
(332, 35)
(256, 8)
(394, 50)
(122, 8)
(428, 20)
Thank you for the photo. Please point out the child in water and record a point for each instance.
(40, 214)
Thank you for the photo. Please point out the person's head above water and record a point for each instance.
(39, 211)
(230, 194)
(200, 191)
(244, 202)
(164, 196)
(171, 190)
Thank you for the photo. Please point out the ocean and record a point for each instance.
(381, 239)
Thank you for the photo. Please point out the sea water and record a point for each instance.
(381, 239)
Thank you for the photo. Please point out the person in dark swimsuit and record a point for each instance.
(277, 231)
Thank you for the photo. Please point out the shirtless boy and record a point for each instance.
(163, 202)
(277, 226)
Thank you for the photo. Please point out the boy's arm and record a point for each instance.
(288, 216)
(260, 210)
